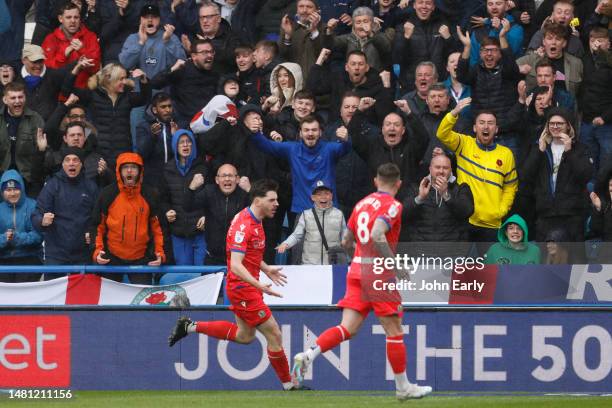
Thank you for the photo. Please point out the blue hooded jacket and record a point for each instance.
(175, 139)
(26, 241)
(308, 164)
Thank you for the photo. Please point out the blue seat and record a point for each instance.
(174, 278)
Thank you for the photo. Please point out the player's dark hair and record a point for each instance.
(261, 187)
(388, 173)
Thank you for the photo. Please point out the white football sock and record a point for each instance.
(401, 381)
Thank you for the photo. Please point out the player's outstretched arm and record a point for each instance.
(274, 273)
(241, 271)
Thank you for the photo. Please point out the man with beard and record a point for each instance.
(493, 80)
(192, 83)
(393, 144)
(246, 241)
(154, 137)
(492, 26)
(127, 228)
(357, 77)
(352, 175)
(230, 141)
(209, 25)
(220, 202)
(487, 167)
(70, 42)
(310, 159)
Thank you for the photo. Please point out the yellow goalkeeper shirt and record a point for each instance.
(488, 170)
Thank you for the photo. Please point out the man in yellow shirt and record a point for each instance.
(487, 167)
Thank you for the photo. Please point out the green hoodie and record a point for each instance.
(503, 253)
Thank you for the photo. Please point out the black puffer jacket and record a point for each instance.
(174, 187)
(322, 82)
(43, 98)
(54, 159)
(233, 145)
(112, 120)
(219, 210)
(436, 220)
(493, 89)
(407, 154)
(570, 197)
(191, 88)
(425, 44)
(595, 94)
(224, 43)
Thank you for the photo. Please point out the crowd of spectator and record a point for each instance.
(132, 130)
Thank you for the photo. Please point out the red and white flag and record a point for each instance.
(90, 289)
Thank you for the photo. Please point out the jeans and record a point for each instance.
(599, 141)
(189, 251)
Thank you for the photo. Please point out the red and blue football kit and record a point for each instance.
(363, 281)
(246, 235)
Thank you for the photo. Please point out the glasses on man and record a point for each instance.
(227, 175)
(208, 17)
(185, 143)
(556, 124)
(76, 116)
(489, 50)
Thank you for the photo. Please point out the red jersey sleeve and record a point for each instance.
(238, 239)
(392, 215)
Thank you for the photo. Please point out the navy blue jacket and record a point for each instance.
(72, 201)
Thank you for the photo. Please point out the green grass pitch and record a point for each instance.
(315, 399)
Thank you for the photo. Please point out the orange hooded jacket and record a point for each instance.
(127, 219)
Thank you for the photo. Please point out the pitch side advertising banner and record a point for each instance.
(544, 351)
(325, 285)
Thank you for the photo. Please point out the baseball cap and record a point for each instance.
(10, 184)
(149, 10)
(33, 52)
(319, 184)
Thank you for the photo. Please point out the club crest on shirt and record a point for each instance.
(239, 237)
(393, 211)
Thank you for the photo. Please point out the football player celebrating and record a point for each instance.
(374, 226)
(245, 245)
